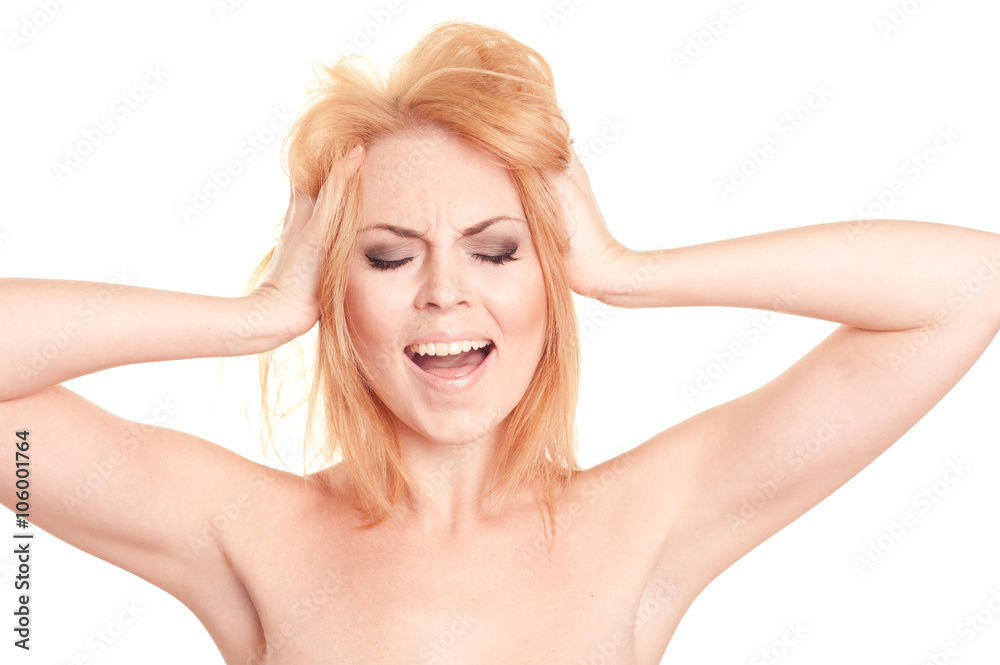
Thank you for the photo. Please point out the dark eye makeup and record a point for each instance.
(383, 264)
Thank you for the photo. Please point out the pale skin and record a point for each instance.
(646, 531)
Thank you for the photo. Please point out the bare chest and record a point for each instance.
(499, 597)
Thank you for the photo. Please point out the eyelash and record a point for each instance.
(498, 259)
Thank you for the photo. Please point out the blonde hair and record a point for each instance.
(493, 92)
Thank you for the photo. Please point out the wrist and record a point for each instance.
(259, 322)
(629, 276)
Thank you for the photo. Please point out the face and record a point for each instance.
(444, 262)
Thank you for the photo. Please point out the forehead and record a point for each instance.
(422, 175)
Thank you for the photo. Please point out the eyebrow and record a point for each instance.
(404, 232)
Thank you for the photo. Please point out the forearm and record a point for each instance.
(898, 275)
(55, 330)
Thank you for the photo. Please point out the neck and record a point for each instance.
(454, 480)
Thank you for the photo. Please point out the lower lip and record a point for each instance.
(453, 385)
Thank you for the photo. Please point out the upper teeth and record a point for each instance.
(447, 348)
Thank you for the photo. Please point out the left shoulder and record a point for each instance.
(624, 497)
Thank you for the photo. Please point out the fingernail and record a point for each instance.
(357, 151)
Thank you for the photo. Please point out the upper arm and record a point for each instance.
(728, 478)
(151, 500)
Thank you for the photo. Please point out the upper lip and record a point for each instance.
(448, 336)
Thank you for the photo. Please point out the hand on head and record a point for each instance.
(594, 252)
(292, 278)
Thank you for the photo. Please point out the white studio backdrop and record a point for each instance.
(697, 121)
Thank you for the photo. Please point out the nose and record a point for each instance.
(443, 283)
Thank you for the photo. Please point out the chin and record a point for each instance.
(450, 430)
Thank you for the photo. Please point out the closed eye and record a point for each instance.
(383, 264)
(498, 258)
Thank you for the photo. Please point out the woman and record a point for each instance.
(458, 527)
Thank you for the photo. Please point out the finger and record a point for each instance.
(561, 125)
(340, 174)
(293, 194)
(300, 209)
(574, 158)
(302, 206)
(343, 170)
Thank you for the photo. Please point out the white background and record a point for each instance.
(680, 130)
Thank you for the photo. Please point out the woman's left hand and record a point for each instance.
(595, 259)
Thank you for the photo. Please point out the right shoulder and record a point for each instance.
(165, 505)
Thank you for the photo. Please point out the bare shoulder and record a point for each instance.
(619, 493)
(277, 518)
(261, 528)
(163, 504)
(655, 481)
(627, 525)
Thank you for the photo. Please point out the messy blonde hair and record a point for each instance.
(484, 87)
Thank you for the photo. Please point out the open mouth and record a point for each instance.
(450, 361)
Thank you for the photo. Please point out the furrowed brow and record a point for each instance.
(404, 232)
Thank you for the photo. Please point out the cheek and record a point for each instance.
(524, 306)
(369, 324)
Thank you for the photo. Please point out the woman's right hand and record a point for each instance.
(288, 294)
